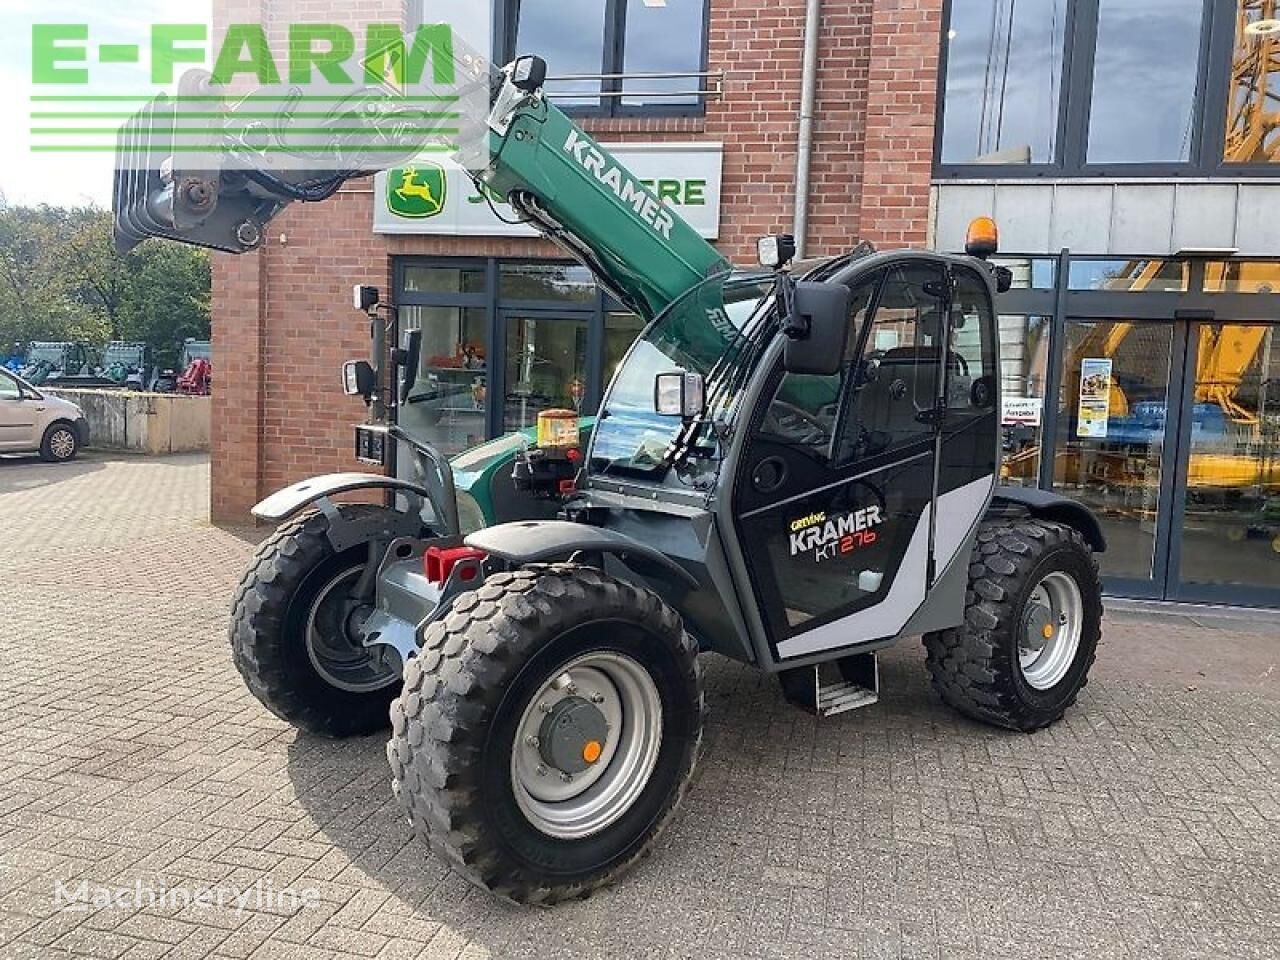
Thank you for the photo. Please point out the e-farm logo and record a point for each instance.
(367, 97)
(418, 191)
(327, 51)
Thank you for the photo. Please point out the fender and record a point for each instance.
(1044, 505)
(536, 541)
(343, 534)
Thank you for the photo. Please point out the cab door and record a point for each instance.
(834, 498)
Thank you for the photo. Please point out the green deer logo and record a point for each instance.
(417, 192)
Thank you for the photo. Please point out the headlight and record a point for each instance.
(470, 517)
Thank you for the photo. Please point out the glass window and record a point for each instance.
(1111, 433)
(1004, 80)
(900, 372)
(9, 389)
(665, 37)
(803, 411)
(971, 356)
(577, 39)
(546, 281)
(1253, 133)
(620, 331)
(1031, 273)
(546, 367)
(719, 330)
(446, 406)
(1146, 65)
(569, 35)
(1024, 371)
(1231, 531)
(1242, 276)
(1129, 276)
(422, 279)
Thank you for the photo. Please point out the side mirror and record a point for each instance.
(680, 394)
(358, 379)
(409, 359)
(820, 315)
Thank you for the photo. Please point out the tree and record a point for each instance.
(166, 298)
(61, 278)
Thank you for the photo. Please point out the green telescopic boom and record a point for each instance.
(556, 176)
(581, 195)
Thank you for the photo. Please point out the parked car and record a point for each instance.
(34, 421)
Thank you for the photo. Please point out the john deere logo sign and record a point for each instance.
(417, 192)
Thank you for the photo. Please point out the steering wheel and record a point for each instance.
(788, 421)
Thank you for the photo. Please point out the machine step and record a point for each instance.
(834, 687)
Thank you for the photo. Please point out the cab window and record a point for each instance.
(971, 368)
(9, 388)
(804, 408)
(898, 377)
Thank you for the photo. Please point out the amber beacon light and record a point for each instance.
(982, 239)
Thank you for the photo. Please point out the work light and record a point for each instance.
(776, 251)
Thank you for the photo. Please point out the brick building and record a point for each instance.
(281, 322)
(1132, 186)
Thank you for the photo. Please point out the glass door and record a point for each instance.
(545, 365)
(1228, 508)
(1114, 448)
(446, 405)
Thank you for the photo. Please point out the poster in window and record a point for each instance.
(1095, 398)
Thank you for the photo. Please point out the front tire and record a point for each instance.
(60, 443)
(1033, 620)
(290, 633)
(547, 731)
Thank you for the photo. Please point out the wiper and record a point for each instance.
(721, 386)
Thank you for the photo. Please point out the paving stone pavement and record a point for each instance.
(1145, 825)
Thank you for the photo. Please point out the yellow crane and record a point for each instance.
(1253, 108)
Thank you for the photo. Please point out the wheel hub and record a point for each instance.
(573, 735)
(333, 631)
(62, 443)
(1052, 624)
(586, 745)
(1038, 626)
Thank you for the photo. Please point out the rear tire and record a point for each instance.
(1033, 619)
(60, 443)
(287, 638)
(478, 786)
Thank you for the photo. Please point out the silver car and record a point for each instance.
(33, 421)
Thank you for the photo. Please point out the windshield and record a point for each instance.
(718, 330)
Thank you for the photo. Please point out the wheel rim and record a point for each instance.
(1051, 628)
(62, 444)
(335, 651)
(570, 806)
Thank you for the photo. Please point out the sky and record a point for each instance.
(28, 178)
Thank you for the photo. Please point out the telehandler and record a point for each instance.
(794, 467)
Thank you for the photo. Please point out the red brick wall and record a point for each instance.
(281, 322)
(902, 93)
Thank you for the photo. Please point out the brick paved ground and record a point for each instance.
(1146, 825)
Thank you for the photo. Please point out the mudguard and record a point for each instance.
(343, 532)
(283, 504)
(536, 541)
(1044, 505)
